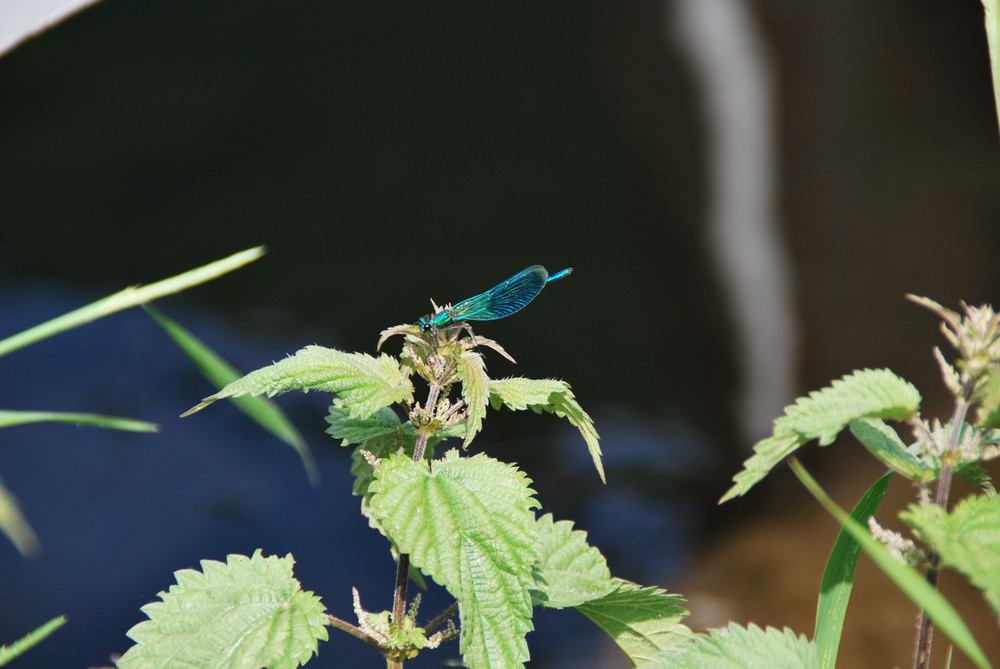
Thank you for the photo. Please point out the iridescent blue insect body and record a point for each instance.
(500, 301)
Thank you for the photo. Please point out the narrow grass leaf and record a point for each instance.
(219, 373)
(838, 577)
(993, 40)
(130, 297)
(9, 418)
(15, 526)
(907, 579)
(29, 640)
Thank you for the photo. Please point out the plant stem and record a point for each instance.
(925, 628)
(441, 617)
(403, 564)
(352, 630)
(399, 592)
(431, 405)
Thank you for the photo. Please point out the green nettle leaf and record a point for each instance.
(518, 393)
(642, 621)
(467, 523)
(868, 393)
(475, 392)
(377, 447)
(967, 539)
(246, 613)
(883, 442)
(987, 401)
(975, 475)
(736, 647)
(351, 430)
(361, 467)
(570, 571)
(358, 381)
(554, 397)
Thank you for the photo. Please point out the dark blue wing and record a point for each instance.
(503, 299)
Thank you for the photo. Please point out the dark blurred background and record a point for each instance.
(390, 153)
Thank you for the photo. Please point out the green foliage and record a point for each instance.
(466, 522)
(12, 522)
(246, 613)
(910, 581)
(265, 413)
(351, 430)
(868, 393)
(11, 418)
(570, 572)
(360, 383)
(883, 442)
(993, 39)
(967, 539)
(15, 526)
(838, 577)
(28, 641)
(553, 397)
(736, 647)
(475, 392)
(130, 297)
(642, 621)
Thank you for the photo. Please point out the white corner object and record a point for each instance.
(22, 19)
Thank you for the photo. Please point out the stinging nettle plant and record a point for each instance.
(466, 522)
(965, 538)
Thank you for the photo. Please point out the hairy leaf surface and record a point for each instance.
(246, 613)
(642, 621)
(570, 571)
(360, 383)
(467, 522)
(552, 396)
(868, 393)
(967, 539)
(736, 647)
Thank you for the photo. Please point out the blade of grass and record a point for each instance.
(219, 372)
(9, 418)
(14, 525)
(993, 42)
(8, 653)
(127, 298)
(838, 577)
(906, 578)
